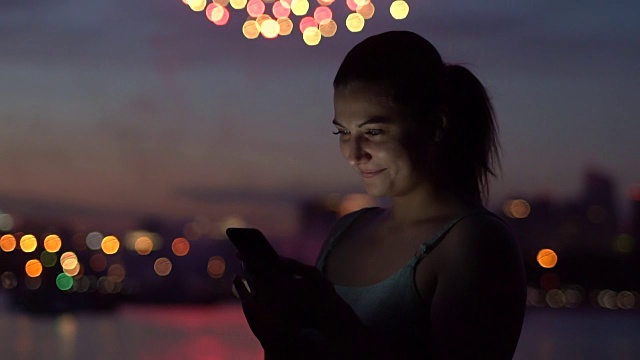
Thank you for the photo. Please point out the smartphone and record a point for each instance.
(253, 243)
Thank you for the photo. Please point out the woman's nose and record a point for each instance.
(356, 153)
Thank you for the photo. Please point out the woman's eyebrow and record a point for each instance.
(370, 121)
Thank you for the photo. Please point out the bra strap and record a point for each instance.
(427, 246)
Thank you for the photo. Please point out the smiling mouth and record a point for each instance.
(370, 174)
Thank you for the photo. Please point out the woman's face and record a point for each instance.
(372, 132)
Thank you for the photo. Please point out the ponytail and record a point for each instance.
(472, 149)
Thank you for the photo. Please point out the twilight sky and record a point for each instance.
(123, 108)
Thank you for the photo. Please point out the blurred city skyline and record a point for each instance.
(115, 109)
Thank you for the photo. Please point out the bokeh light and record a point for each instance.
(93, 240)
(64, 282)
(307, 22)
(281, 9)
(312, 36)
(255, 8)
(216, 267)
(328, 28)
(197, 5)
(162, 266)
(516, 209)
(75, 271)
(52, 243)
(33, 283)
(69, 260)
(116, 272)
(251, 29)
(270, 28)
(180, 246)
(399, 9)
(110, 245)
(144, 245)
(6, 222)
(351, 4)
(238, 4)
(8, 280)
(33, 268)
(547, 258)
(322, 14)
(367, 11)
(28, 243)
(355, 22)
(299, 7)
(286, 26)
(98, 262)
(624, 243)
(7, 243)
(48, 259)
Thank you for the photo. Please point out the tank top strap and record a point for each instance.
(427, 246)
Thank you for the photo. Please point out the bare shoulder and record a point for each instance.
(479, 240)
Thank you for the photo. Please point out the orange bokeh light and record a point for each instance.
(7, 243)
(143, 245)
(33, 268)
(52, 243)
(547, 258)
(216, 267)
(110, 245)
(180, 246)
(68, 260)
(162, 266)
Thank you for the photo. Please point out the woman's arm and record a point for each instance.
(478, 305)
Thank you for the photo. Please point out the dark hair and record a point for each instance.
(412, 72)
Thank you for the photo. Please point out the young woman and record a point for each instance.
(433, 276)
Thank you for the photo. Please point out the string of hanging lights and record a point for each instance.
(272, 18)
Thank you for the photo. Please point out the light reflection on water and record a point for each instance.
(219, 332)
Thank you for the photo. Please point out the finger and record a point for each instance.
(241, 288)
(299, 268)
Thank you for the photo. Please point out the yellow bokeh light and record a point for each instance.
(355, 22)
(197, 5)
(143, 245)
(251, 29)
(33, 268)
(286, 26)
(366, 10)
(216, 267)
(28, 243)
(180, 246)
(7, 243)
(399, 9)
(312, 36)
(110, 245)
(238, 4)
(270, 28)
(362, 2)
(328, 28)
(547, 258)
(260, 19)
(68, 260)
(299, 7)
(52, 243)
(162, 266)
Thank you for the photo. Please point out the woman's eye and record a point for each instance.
(374, 132)
(340, 132)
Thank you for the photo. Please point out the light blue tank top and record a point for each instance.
(392, 307)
